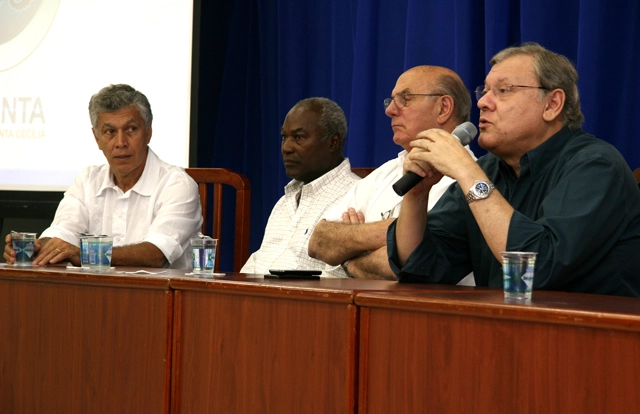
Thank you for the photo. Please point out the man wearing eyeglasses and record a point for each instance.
(546, 186)
(353, 234)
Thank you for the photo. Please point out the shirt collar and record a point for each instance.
(320, 182)
(145, 184)
(543, 156)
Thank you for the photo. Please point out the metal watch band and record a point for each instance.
(472, 196)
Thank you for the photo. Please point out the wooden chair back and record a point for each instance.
(216, 178)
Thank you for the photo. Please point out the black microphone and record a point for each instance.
(465, 133)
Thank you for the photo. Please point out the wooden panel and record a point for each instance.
(245, 354)
(248, 344)
(80, 348)
(473, 352)
(325, 289)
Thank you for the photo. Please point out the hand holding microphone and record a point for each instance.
(465, 133)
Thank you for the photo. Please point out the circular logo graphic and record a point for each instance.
(23, 25)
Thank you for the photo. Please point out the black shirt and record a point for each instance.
(576, 203)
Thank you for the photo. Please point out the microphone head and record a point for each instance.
(465, 132)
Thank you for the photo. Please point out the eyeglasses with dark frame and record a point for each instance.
(501, 91)
(401, 98)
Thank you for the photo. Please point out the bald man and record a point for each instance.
(353, 234)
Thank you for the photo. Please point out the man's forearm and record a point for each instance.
(143, 254)
(411, 225)
(334, 242)
(374, 265)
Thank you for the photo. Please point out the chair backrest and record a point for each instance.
(217, 177)
(362, 171)
(636, 173)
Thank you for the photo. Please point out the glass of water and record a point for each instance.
(24, 244)
(517, 269)
(203, 251)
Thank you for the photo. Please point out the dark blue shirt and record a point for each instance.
(576, 203)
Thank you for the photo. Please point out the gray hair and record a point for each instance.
(331, 120)
(554, 71)
(454, 87)
(115, 97)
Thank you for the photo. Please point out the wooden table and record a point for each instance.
(473, 352)
(247, 344)
(76, 342)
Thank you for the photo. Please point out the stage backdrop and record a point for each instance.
(258, 58)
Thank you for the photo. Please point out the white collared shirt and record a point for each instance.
(162, 208)
(286, 238)
(374, 195)
(375, 198)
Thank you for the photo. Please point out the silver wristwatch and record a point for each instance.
(480, 190)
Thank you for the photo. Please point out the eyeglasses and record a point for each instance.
(401, 98)
(501, 91)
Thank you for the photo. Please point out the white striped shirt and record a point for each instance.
(286, 238)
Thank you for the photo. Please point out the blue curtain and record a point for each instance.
(276, 52)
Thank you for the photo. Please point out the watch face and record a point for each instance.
(482, 189)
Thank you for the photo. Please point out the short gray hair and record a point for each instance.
(554, 71)
(331, 118)
(115, 97)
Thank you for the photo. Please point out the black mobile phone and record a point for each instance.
(293, 274)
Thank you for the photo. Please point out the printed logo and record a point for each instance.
(23, 26)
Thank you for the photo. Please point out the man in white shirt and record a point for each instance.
(313, 136)
(150, 208)
(353, 234)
